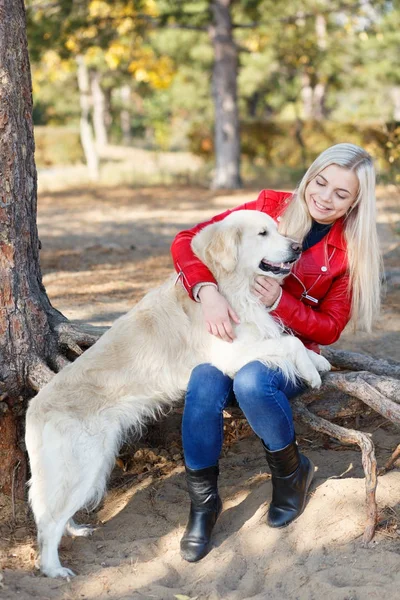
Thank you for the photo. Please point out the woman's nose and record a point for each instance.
(325, 195)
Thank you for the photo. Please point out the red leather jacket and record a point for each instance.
(315, 303)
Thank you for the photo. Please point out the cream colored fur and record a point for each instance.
(140, 366)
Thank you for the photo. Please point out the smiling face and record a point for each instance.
(331, 193)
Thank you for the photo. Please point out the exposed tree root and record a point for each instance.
(69, 339)
(46, 343)
(38, 375)
(353, 361)
(351, 436)
(72, 338)
(378, 392)
(391, 462)
(59, 362)
(361, 380)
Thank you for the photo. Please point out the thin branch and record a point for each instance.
(354, 361)
(391, 462)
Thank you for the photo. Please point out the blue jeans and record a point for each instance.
(261, 392)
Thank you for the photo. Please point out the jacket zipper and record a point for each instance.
(305, 294)
(182, 275)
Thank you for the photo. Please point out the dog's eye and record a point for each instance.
(263, 232)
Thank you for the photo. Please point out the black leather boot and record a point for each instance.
(292, 474)
(205, 508)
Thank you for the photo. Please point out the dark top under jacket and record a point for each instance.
(315, 235)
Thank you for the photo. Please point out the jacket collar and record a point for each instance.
(336, 236)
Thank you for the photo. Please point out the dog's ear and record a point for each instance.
(217, 246)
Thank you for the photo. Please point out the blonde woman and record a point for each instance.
(336, 280)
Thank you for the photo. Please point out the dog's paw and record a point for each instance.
(323, 365)
(314, 380)
(320, 363)
(58, 572)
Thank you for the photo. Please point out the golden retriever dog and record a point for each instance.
(142, 364)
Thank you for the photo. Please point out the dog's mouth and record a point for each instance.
(282, 268)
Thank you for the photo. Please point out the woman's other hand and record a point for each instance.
(267, 289)
(218, 314)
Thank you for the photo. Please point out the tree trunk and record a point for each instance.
(224, 82)
(125, 115)
(313, 90)
(395, 95)
(306, 95)
(319, 92)
(30, 328)
(89, 147)
(99, 110)
(319, 95)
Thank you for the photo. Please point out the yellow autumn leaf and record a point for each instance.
(99, 9)
(71, 44)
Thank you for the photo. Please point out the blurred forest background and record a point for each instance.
(137, 103)
(111, 76)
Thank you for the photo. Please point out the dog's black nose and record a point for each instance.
(296, 247)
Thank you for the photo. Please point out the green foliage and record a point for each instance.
(161, 50)
(55, 93)
(74, 26)
(295, 144)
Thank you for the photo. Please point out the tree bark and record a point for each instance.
(313, 89)
(31, 330)
(99, 110)
(313, 99)
(125, 115)
(319, 93)
(395, 96)
(224, 84)
(89, 147)
(306, 94)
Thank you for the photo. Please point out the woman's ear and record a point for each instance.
(217, 246)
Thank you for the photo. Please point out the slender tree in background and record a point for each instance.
(104, 40)
(215, 18)
(34, 337)
(87, 138)
(224, 87)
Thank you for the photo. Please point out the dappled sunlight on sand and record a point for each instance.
(102, 250)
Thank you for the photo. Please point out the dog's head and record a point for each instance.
(247, 240)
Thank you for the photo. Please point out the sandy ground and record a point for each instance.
(102, 250)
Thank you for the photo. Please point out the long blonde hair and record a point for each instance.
(364, 257)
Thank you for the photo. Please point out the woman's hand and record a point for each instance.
(217, 313)
(267, 289)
